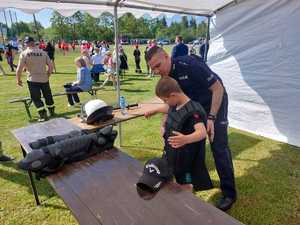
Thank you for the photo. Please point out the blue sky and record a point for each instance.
(44, 17)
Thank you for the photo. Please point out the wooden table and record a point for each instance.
(101, 190)
(132, 113)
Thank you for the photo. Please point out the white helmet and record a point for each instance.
(97, 110)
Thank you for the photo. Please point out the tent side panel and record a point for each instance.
(255, 49)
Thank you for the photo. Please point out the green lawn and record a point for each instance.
(267, 172)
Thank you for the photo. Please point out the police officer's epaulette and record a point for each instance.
(176, 119)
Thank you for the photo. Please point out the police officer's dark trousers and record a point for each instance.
(35, 89)
(221, 151)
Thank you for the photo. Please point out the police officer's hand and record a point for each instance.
(210, 130)
(178, 140)
(20, 83)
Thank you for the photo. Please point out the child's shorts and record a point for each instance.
(185, 178)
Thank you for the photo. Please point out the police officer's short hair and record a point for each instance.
(166, 86)
(152, 51)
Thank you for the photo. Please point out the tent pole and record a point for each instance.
(2, 35)
(17, 25)
(11, 22)
(36, 27)
(207, 39)
(117, 62)
(7, 29)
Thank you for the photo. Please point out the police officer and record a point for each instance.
(201, 84)
(35, 61)
(180, 49)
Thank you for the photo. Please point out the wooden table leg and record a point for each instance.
(34, 190)
(27, 106)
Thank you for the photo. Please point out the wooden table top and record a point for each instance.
(132, 113)
(101, 190)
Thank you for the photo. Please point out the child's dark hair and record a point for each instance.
(165, 86)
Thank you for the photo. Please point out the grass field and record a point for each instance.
(267, 172)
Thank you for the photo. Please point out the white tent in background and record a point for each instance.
(254, 48)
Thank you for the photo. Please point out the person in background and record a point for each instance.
(83, 82)
(110, 64)
(42, 45)
(145, 53)
(137, 59)
(10, 57)
(97, 62)
(123, 61)
(153, 43)
(104, 48)
(65, 47)
(86, 56)
(1, 59)
(180, 49)
(35, 61)
(202, 49)
(50, 49)
(73, 45)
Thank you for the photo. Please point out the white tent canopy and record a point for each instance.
(136, 7)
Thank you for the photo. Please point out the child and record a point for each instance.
(83, 83)
(184, 135)
(86, 57)
(97, 62)
(110, 69)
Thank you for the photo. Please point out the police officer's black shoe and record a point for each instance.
(225, 203)
(43, 116)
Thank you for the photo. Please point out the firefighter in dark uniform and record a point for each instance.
(35, 61)
(202, 85)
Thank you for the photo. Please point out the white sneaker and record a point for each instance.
(70, 105)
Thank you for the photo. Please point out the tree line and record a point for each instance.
(82, 26)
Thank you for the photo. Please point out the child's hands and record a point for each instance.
(178, 140)
(149, 113)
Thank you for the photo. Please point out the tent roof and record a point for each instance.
(137, 7)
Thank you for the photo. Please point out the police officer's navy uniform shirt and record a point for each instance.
(195, 78)
(180, 50)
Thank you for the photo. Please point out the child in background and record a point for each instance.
(110, 64)
(85, 55)
(83, 82)
(97, 62)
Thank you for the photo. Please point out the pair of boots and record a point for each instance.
(43, 114)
